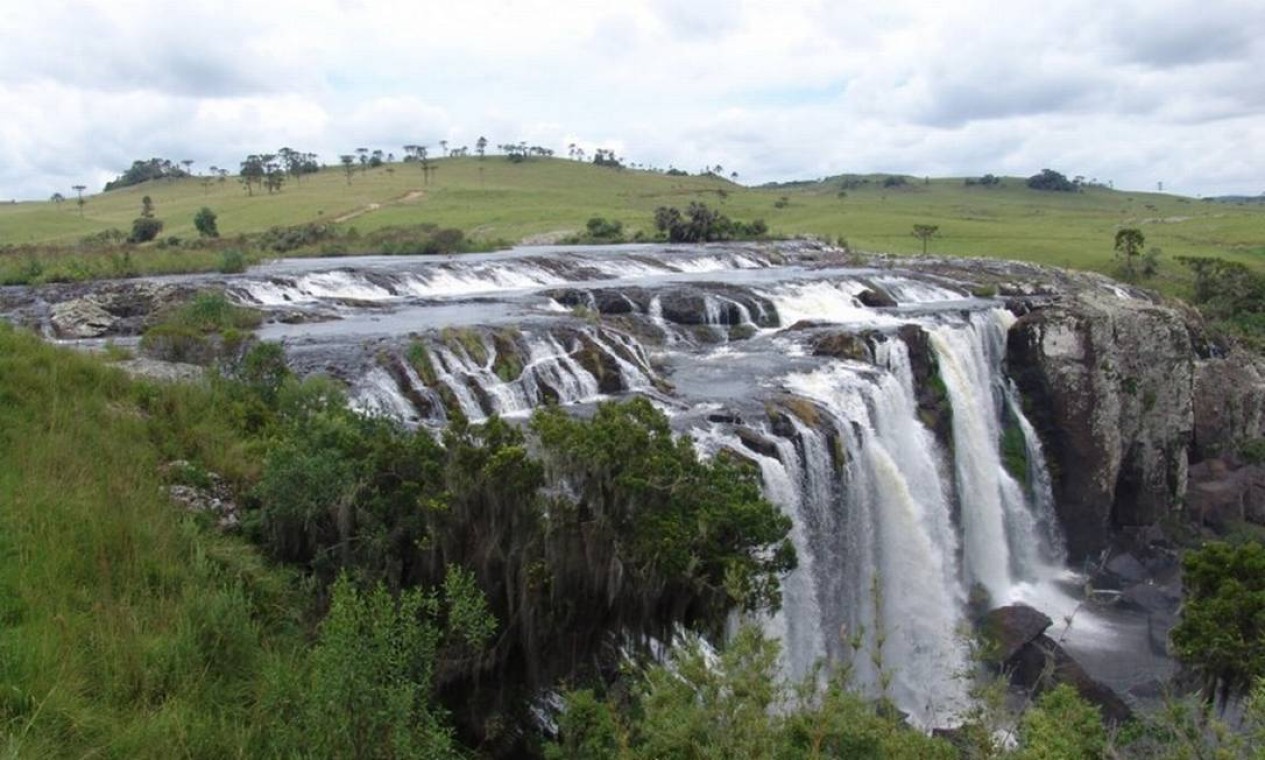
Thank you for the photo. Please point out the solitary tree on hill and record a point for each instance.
(79, 200)
(481, 146)
(58, 198)
(925, 232)
(1129, 244)
(349, 165)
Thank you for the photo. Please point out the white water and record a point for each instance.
(898, 567)
(899, 588)
(826, 301)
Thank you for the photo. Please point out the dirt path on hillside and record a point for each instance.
(411, 195)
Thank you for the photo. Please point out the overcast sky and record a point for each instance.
(1132, 91)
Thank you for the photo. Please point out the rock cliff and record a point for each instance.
(1126, 394)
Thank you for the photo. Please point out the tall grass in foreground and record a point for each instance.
(126, 629)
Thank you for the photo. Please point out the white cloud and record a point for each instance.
(774, 89)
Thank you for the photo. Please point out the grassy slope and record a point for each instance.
(125, 629)
(494, 199)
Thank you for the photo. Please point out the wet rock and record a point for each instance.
(1127, 568)
(1150, 598)
(1043, 663)
(842, 345)
(756, 442)
(876, 298)
(1008, 629)
(683, 307)
(934, 408)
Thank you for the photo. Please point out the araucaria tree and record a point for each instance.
(925, 232)
(1129, 244)
(79, 197)
(349, 165)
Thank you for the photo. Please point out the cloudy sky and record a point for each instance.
(1132, 91)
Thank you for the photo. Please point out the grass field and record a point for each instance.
(496, 200)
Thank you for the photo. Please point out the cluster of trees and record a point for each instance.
(567, 536)
(1050, 180)
(521, 151)
(988, 180)
(270, 170)
(700, 224)
(151, 169)
(1230, 294)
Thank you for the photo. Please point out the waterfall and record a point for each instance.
(897, 534)
(896, 525)
(1000, 519)
(896, 574)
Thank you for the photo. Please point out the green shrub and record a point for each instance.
(232, 261)
(205, 223)
(145, 229)
(178, 343)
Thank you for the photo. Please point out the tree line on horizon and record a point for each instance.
(270, 170)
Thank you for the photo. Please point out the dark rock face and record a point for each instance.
(1109, 384)
(1229, 404)
(934, 408)
(690, 306)
(1223, 491)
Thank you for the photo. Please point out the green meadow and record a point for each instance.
(496, 202)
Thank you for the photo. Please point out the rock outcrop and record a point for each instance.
(1109, 382)
(97, 310)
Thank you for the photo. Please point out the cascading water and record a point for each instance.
(895, 528)
(898, 576)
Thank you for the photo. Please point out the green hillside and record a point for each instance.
(542, 199)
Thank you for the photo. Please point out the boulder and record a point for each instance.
(876, 298)
(842, 345)
(1127, 568)
(1150, 598)
(1008, 629)
(683, 307)
(756, 442)
(81, 318)
(1043, 663)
